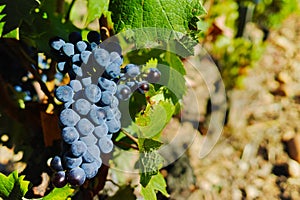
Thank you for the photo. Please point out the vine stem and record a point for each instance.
(135, 140)
(126, 144)
(67, 17)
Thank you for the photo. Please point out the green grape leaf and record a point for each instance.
(59, 193)
(149, 164)
(152, 121)
(170, 14)
(96, 8)
(157, 183)
(17, 11)
(147, 145)
(13, 186)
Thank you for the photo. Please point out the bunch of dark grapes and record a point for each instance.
(91, 114)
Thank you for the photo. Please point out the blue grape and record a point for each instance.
(68, 49)
(76, 58)
(77, 70)
(61, 66)
(92, 93)
(81, 46)
(76, 176)
(108, 112)
(101, 57)
(82, 106)
(105, 144)
(153, 75)
(92, 154)
(90, 169)
(85, 127)
(116, 112)
(106, 84)
(89, 139)
(70, 135)
(113, 70)
(71, 162)
(75, 37)
(133, 85)
(56, 164)
(78, 148)
(84, 56)
(114, 102)
(97, 114)
(75, 85)
(86, 81)
(101, 130)
(69, 117)
(57, 45)
(106, 98)
(64, 93)
(93, 46)
(123, 92)
(94, 36)
(59, 179)
(116, 58)
(132, 70)
(113, 125)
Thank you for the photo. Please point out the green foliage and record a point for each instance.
(96, 8)
(174, 15)
(59, 193)
(157, 183)
(13, 186)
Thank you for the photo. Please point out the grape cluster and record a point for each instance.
(91, 114)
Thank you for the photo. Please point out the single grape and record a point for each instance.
(101, 57)
(101, 130)
(94, 36)
(64, 93)
(92, 154)
(69, 117)
(114, 102)
(84, 56)
(85, 127)
(90, 169)
(59, 179)
(123, 92)
(78, 148)
(133, 85)
(72, 162)
(93, 46)
(106, 98)
(117, 113)
(97, 115)
(86, 81)
(153, 75)
(108, 85)
(61, 66)
(105, 144)
(68, 49)
(69, 134)
(132, 70)
(77, 70)
(76, 58)
(76, 176)
(116, 58)
(113, 125)
(56, 43)
(113, 70)
(56, 164)
(92, 93)
(75, 37)
(89, 139)
(143, 87)
(81, 46)
(75, 85)
(82, 106)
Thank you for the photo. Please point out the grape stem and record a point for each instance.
(135, 140)
(126, 144)
(67, 17)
